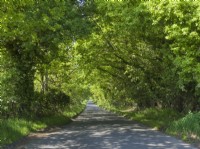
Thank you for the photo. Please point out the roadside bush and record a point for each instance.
(57, 98)
(50, 103)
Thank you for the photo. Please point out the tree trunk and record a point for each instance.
(44, 81)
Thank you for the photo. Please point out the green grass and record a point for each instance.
(188, 127)
(159, 119)
(13, 129)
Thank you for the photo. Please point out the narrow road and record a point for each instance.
(98, 129)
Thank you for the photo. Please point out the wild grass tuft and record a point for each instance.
(187, 127)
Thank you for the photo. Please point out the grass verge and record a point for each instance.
(14, 129)
(159, 119)
(185, 127)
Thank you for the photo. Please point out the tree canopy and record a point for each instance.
(119, 53)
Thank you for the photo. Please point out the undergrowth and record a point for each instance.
(13, 129)
(159, 119)
(188, 127)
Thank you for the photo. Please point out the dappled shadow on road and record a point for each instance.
(98, 129)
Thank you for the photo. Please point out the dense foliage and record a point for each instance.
(144, 54)
(120, 53)
(35, 42)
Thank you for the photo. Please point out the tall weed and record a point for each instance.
(186, 127)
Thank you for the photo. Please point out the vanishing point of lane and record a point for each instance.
(96, 128)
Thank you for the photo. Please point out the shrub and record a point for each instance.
(50, 103)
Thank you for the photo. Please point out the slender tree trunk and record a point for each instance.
(44, 81)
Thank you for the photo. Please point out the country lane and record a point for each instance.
(96, 128)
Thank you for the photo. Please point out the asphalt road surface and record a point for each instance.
(96, 128)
